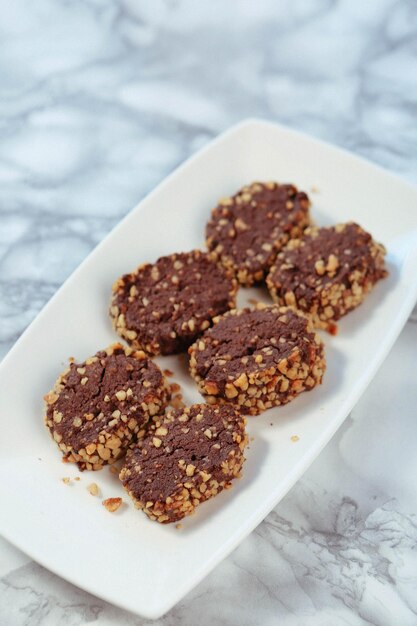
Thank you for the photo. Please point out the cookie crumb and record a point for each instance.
(114, 469)
(178, 526)
(175, 387)
(295, 438)
(168, 372)
(315, 189)
(77, 478)
(66, 480)
(253, 301)
(93, 489)
(177, 402)
(112, 504)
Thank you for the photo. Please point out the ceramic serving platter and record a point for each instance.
(123, 557)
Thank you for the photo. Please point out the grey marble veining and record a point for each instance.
(99, 100)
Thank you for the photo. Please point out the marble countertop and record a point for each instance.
(99, 100)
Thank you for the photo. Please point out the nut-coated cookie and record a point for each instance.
(327, 272)
(257, 358)
(98, 408)
(162, 307)
(186, 457)
(247, 230)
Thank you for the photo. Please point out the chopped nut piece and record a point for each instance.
(51, 397)
(177, 402)
(57, 417)
(242, 381)
(93, 489)
(190, 469)
(332, 263)
(231, 391)
(205, 476)
(211, 387)
(112, 504)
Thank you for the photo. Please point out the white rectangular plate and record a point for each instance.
(124, 558)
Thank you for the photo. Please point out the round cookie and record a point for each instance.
(257, 358)
(163, 307)
(327, 272)
(98, 408)
(186, 457)
(247, 230)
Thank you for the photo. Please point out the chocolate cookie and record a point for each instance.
(327, 272)
(99, 407)
(186, 457)
(162, 308)
(247, 230)
(257, 358)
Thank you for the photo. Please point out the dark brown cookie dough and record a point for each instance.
(163, 307)
(257, 358)
(186, 457)
(99, 407)
(247, 230)
(327, 272)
